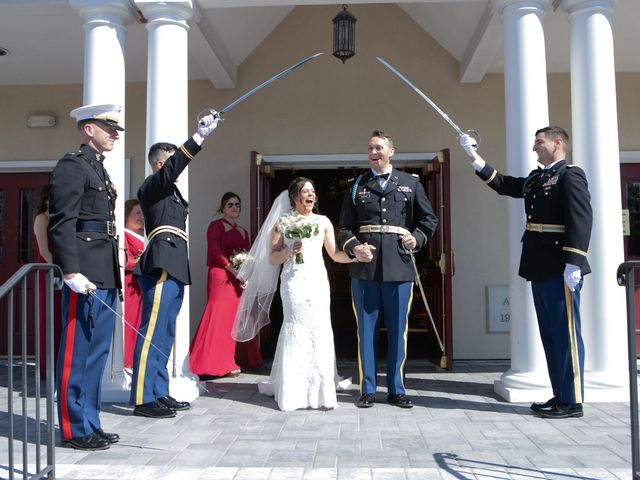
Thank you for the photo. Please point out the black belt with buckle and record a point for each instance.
(101, 227)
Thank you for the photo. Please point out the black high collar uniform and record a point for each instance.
(82, 191)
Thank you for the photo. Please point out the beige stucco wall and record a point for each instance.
(328, 107)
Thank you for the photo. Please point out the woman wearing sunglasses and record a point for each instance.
(213, 352)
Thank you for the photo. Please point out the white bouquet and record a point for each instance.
(297, 226)
(238, 258)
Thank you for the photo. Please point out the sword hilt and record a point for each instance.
(209, 111)
(475, 135)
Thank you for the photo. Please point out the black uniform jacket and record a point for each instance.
(557, 196)
(162, 204)
(403, 203)
(82, 191)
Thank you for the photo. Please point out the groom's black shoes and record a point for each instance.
(174, 404)
(366, 400)
(401, 400)
(562, 410)
(536, 407)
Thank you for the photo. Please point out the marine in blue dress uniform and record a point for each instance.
(85, 247)
(554, 258)
(385, 213)
(162, 272)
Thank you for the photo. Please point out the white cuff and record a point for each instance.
(478, 163)
(198, 138)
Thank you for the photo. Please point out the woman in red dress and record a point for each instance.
(134, 245)
(213, 351)
(40, 229)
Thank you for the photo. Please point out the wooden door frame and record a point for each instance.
(632, 158)
(262, 166)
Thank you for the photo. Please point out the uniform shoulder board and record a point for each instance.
(415, 175)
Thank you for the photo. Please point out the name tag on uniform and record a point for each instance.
(403, 188)
(552, 181)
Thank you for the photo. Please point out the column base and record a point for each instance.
(116, 390)
(525, 387)
(185, 387)
(606, 386)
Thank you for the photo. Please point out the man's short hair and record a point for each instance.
(156, 148)
(554, 132)
(384, 135)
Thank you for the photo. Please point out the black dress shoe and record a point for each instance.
(154, 409)
(562, 410)
(536, 407)
(93, 441)
(366, 400)
(174, 404)
(109, 437)
(401, 400)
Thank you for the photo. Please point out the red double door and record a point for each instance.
(434, 263)
(19, 193)
(630, 183)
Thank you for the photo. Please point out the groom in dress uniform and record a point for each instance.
(162, 272)
(385, 213)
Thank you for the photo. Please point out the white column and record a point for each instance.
(104, 82)
(168, 121)
(596, 150)
(526, 103)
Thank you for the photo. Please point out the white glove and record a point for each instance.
(208, 123)
(468, 143)
(79, 284)
(572, 276)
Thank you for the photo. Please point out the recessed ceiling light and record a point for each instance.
(3, 52)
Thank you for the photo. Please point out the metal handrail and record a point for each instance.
(53, 276)
(626, 278)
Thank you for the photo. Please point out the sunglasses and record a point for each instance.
(233, 204)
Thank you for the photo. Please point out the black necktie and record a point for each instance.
(384, 176)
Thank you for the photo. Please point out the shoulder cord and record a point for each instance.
(355, 188)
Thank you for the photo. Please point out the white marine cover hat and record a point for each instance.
(106, 113)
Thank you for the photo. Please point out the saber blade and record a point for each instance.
(267, 82)
(424, 97)
(241, 99)
(92, 293)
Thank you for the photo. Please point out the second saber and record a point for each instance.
(427, 99)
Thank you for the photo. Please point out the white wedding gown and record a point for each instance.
(304, 371)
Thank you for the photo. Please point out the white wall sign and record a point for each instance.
(498, 309)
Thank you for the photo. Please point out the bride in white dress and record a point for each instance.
(304, 371)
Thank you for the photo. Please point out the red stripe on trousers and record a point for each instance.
(66, 367)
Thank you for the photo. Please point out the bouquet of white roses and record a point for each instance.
(238, 258)
(295, 225)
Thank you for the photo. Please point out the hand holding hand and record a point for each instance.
(79, 283)
(572, 276)
(208, 123)
(468, 143)
(364, 252)
(409, 242)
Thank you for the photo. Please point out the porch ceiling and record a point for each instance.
(45, 37)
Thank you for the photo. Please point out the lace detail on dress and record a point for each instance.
(304, 368)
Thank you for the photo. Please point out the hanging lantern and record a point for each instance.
(344, 35)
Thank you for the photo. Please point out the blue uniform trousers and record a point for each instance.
(161, 301)
(370, 299)
(87, 329)
(558, 312)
